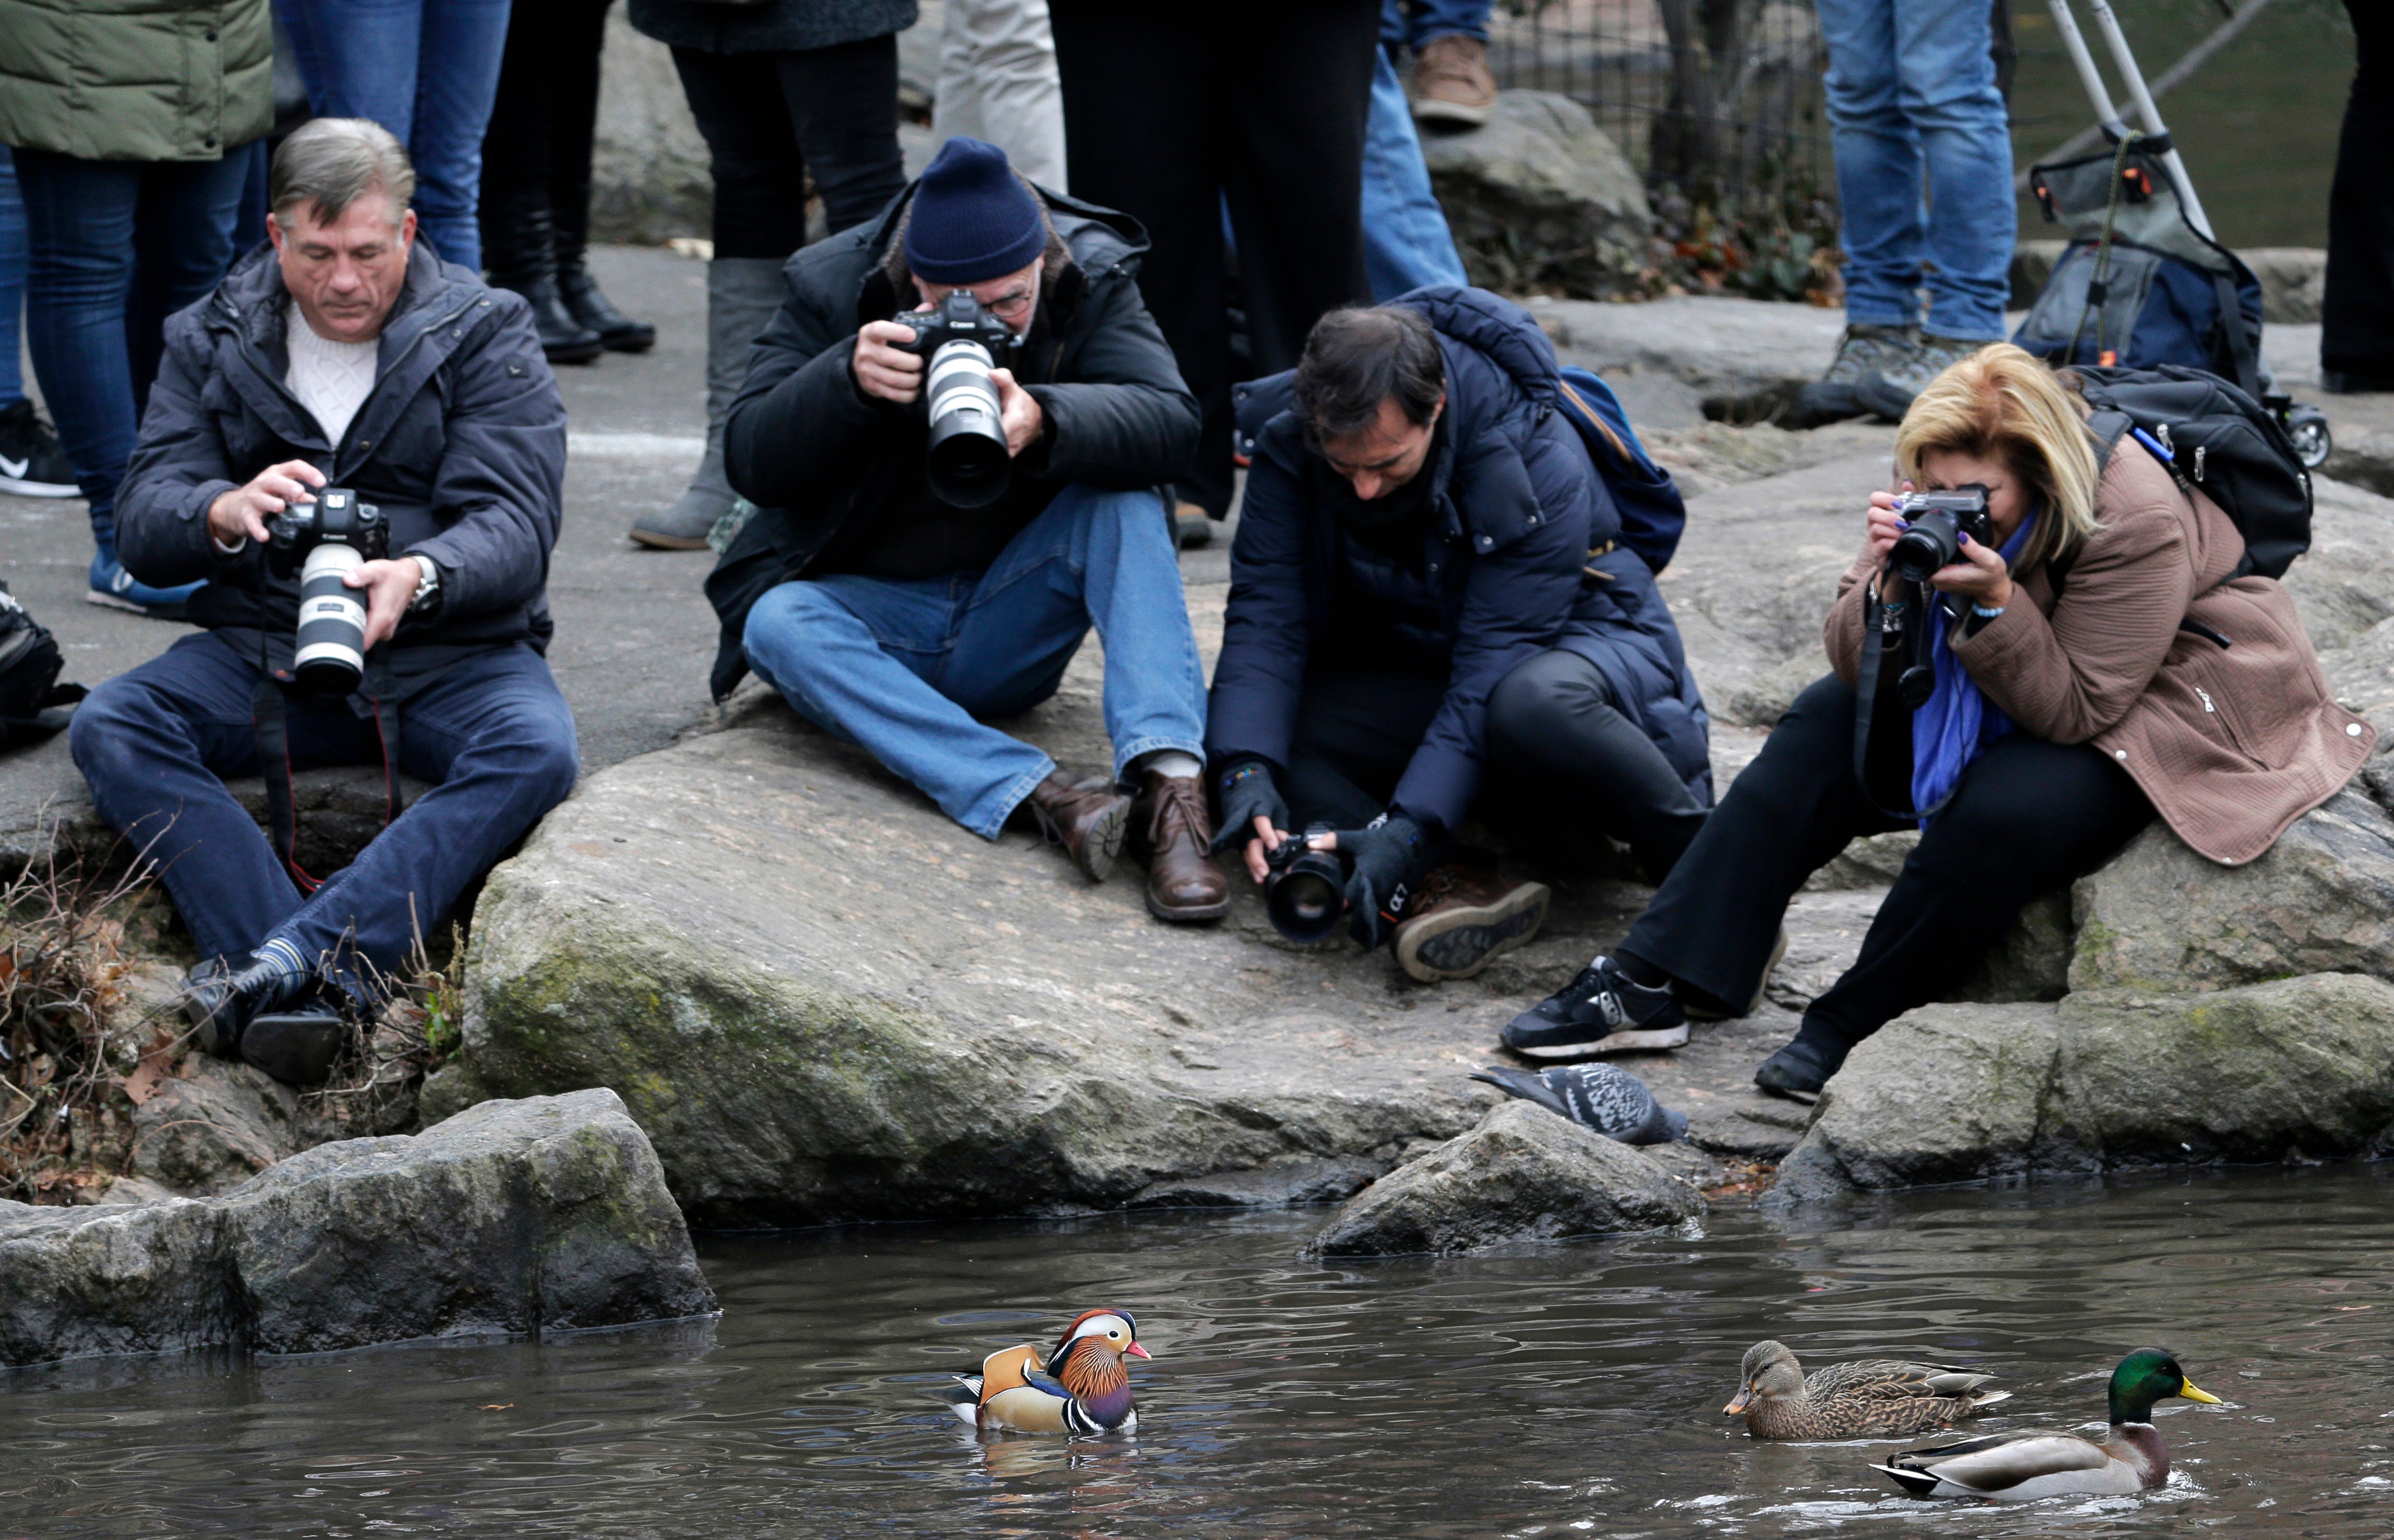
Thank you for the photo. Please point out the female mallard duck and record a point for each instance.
(1080, 1387)
(2018, 1467)
(1846, 1400)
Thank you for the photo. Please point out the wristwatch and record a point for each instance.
(427, 590)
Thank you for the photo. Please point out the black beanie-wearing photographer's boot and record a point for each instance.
(519, 247)
(569, 212)
(259, 1010)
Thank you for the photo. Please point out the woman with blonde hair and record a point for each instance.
(2101, 661)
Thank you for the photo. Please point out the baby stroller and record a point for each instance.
(2144, 282)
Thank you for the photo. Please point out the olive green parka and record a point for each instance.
(135, 80)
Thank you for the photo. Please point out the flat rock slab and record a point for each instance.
(2296, 1068)
(1524, 1174)
(515, 1218)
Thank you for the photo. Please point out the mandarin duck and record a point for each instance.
(1078, 1388)
(2020, 1467)
(1845, 1401)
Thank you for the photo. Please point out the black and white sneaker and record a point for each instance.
(32, 463)
(1601, 1011)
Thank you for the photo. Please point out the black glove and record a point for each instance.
(1247, 792)
(1386, 861)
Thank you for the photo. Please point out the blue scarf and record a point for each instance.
(1958, 724)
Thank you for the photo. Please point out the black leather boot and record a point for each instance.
(569, 213)
(519, 249)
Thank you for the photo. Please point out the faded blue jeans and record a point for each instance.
(1403, 26)
(902, 668)
(1406, 244)
(427, 70)
(1912, 90)
(12, 282)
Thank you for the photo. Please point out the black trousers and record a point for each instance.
(1172, 109)
(538, 143)
(1557, 752)
(774, 120)
(2357, 317)
(2026, 817)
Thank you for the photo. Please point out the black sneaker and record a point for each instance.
(1601, 1011)
(1799, 1071)
(32, 463)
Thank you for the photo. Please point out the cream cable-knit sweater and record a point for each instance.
(331, 379)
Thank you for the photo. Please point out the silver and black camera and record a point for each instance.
(960, 342)
(1938, 519)
(325, 541)
(1305, 897)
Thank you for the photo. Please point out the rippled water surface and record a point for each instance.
(1565, 1389)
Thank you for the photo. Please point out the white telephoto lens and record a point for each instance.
(959, 381)
(332, 638)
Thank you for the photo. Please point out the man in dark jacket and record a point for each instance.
(349, 355)
(1428, 587)
(892, 617)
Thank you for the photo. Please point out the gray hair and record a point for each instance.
(334, 162)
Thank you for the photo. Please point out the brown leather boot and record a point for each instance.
(1170, 827)
(1085, 814)
(1453, 86)
(1465, 916)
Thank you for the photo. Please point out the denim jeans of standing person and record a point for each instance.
(427, 70)
(1404, 25)
(491, 730)
(1912, 97)
(1406, 243)
(904, 669)
(12, 282)
(117, 247)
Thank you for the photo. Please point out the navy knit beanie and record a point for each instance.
(973, 219)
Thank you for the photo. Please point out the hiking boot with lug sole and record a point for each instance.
(1463, 918)
(296, 1044)
(1084, 814)
(1601, 1011)
(1863, 352)
(222, 994)
(1888, 394)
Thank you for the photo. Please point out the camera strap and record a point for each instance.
(272, 723)
(1867, 688)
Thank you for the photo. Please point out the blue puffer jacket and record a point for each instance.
(1515, 565)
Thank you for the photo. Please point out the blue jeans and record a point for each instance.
(1911, 84)
(490, 728)
(1406, 244)
(1403, 26)
(902, 668)
(12, 282)
(427, 70)
(117, 248)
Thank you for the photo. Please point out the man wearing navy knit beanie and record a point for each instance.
(898, 621)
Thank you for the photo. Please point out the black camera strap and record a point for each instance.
(272, 723)
(1867, 688)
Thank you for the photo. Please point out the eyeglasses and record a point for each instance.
(1011, 305)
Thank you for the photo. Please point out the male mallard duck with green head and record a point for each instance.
(2019, 1468)
(1881, 1396)
(1079, 1388)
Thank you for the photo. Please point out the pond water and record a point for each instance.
(1568, 1390)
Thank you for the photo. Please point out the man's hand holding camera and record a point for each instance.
(242, 514)
(885, 370)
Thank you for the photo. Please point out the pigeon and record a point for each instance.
(1610, 1100)
(1079, 1388)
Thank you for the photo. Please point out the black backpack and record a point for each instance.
(2215, 437)
(32, 704)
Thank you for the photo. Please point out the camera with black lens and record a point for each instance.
(325, 541)
(959, 343)
(1306, 893)
(1938, 519)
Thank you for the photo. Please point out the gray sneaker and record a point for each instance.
(1863, 353)
(1888, 394)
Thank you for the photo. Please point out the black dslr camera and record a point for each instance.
(1938, 519)
(1305, 894)
(959, 343)
(327, 540)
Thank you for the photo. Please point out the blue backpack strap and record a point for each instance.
(1653, 514)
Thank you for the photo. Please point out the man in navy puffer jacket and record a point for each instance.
(1428, 593)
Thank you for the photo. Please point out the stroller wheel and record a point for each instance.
(2307, 426)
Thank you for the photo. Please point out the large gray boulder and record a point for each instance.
(516, 1217)
(2159, 917)
(1524, 1174)
(825, 1002)
(2295, 1069)
(1539, 198)
(648, 170)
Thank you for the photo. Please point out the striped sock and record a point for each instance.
(284, 957)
